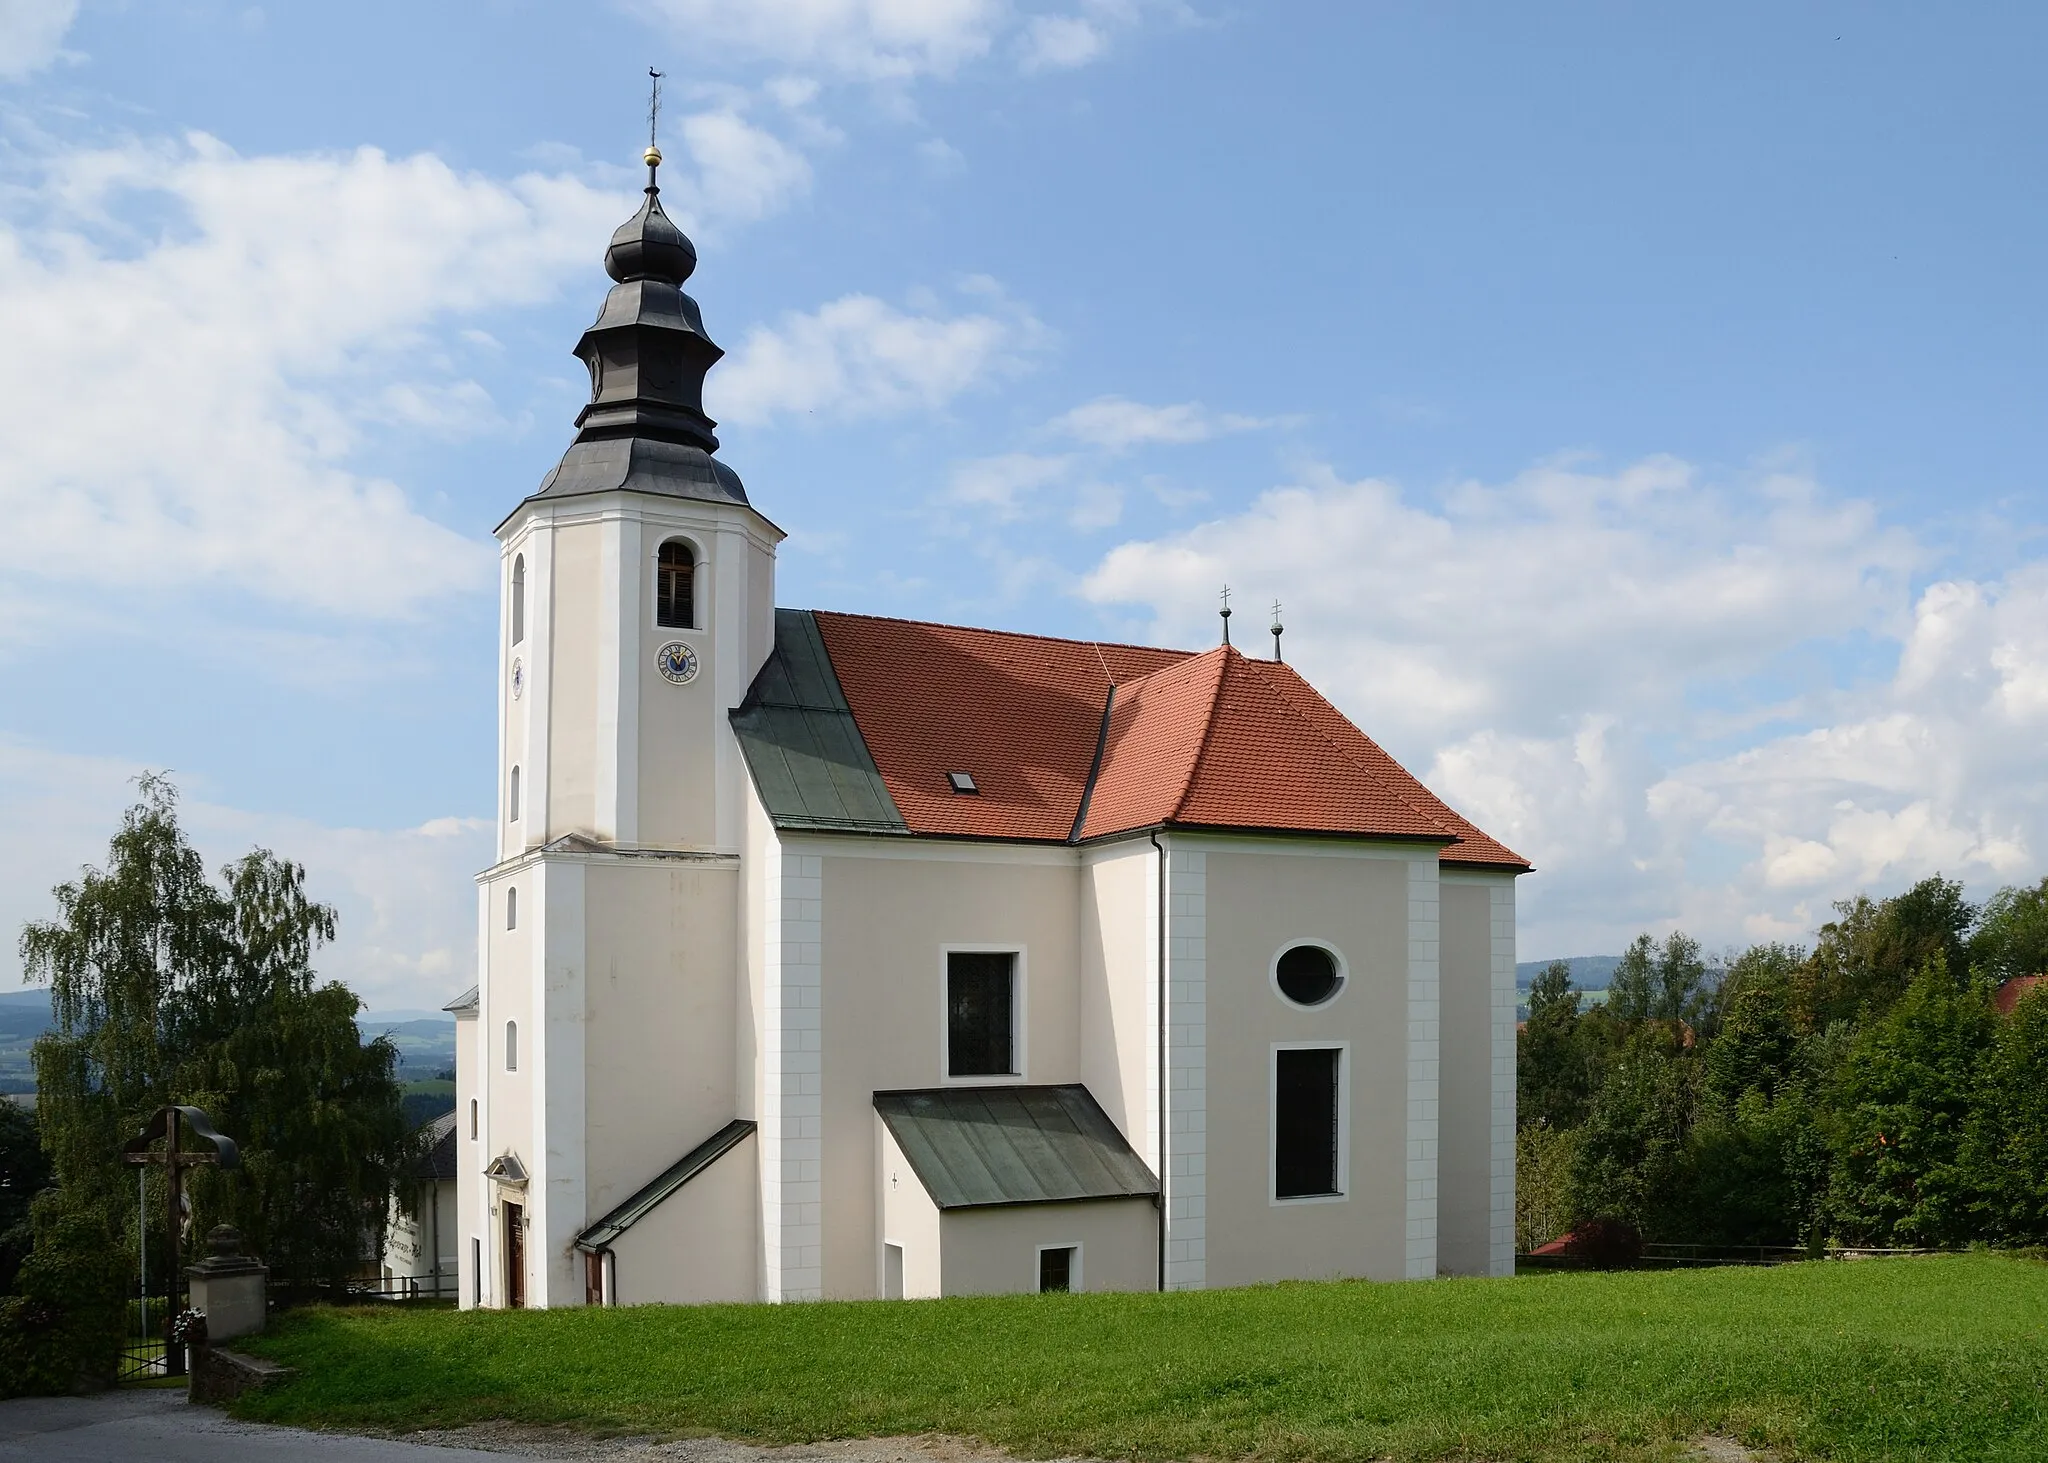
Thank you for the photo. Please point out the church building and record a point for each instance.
(827, 955)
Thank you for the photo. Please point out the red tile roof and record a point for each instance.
(1194, 741)
(2007, 996)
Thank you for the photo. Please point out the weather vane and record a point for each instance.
(653, 123)
(1225, 612)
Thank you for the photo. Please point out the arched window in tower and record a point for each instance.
(675, 587)
(512, 798)
(518, 598)
(511, 909)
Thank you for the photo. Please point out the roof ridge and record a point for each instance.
(1013, 634)
(1223, 654)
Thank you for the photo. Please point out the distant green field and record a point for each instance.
(1943, 1358)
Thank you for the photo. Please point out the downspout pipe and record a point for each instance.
(1160, 849)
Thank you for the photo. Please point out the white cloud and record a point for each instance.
(1060, 42)
(874, 40)
(183, 408)
(1116, 424)
(995, 483)
(31, 32)
(859, 355)
(405, 897)
(897, 40)
(743, 173)
(1638, 678)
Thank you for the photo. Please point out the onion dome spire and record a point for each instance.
(644, 429)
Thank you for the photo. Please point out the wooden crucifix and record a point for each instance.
(220, 1151)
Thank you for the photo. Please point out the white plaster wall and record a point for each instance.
(889, 911)
(792, 1061)
(1186, 1089)
(698, 1245)
(1424, 1034)
(559, 1188)
(466, 1217)
(1465, 1085)
(578, 616)
(1119, 954)
(909, 1218)
(660, 1000)
(1501, 1248)
(1262, 897)
(994, 1251)
(511, 980)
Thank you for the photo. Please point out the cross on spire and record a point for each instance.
(1225, 612)
(1278, 630)
(653, 154)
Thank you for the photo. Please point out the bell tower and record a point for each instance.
(638, 592)
(638, 583)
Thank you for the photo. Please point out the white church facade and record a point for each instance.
(833, 956)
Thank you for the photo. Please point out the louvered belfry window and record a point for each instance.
(981, 1013)
(675, 587)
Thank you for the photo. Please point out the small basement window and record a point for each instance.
(981, 1013)
(962, 782)
(1305, 1121)
(1056, 1269)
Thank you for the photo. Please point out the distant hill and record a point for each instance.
(425, 1039)
(1589, 972)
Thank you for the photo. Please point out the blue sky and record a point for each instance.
(1638, 413)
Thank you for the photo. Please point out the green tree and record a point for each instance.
(1906, 1097)
(1630, 1159)
(2007, 1147)
(168, 988)
(2012, 934)
(1660, 983)
(1870, 952)
(1557, 1067)
(23, 1174)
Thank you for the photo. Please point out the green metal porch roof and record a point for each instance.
(973, 1147)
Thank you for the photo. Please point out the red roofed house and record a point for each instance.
(827, 955)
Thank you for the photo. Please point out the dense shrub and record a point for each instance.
(61, 1329)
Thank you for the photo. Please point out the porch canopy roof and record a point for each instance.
(975, 1147)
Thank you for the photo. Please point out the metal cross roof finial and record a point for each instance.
(1226, 614)
(653, 154)
(1278, 629)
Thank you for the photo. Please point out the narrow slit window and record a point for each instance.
(675, 588)
(511, 1046)
(511, 909)
(512, 798)
(472, 1120)
(981, 1013)
(518, 598)
(1305, 1119)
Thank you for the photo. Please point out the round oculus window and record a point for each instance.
(1307, 975)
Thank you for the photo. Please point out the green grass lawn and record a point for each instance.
(1943, 1358)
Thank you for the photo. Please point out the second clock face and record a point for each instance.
(676, 662)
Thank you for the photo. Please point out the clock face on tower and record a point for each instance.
(677, 662)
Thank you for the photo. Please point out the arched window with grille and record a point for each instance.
(675, 587)
(518, 598)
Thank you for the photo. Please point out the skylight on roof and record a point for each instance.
(962, 782)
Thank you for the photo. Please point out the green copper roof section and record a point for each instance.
(973, 1147)
(809, 762)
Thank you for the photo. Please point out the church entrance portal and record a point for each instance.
(515, 1255)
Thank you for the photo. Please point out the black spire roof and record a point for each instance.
(645, 430)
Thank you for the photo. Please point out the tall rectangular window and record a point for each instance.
(981, 1013)
(1305, 1117)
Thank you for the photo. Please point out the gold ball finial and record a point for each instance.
(652, 156)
